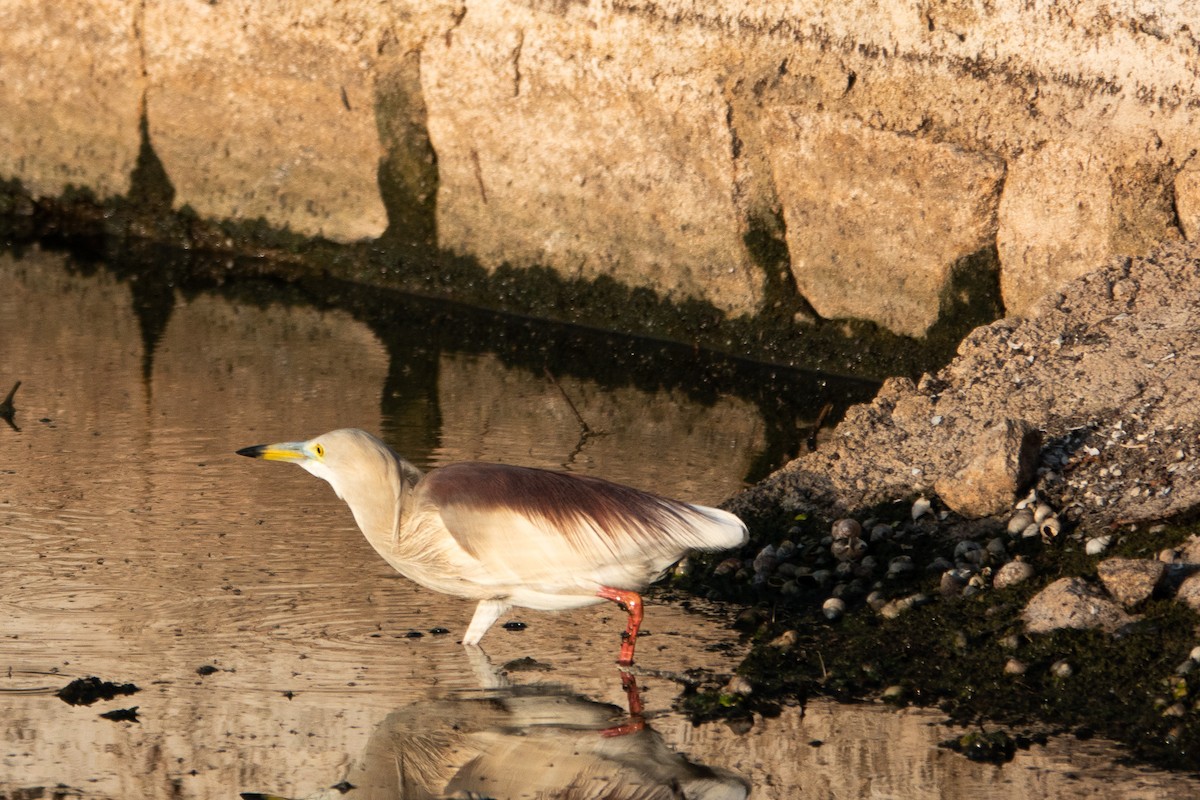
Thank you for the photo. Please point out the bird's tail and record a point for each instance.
(719, 530)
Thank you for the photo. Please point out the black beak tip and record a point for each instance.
(251, 452)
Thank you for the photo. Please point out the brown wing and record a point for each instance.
(524, 523)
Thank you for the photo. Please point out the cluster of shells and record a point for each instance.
(847, 565)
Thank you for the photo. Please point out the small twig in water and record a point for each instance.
(583, 426)
(816, 426)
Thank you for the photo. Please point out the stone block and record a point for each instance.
(70, 95)
(268, 110)
(1055, 200)
(589, 147)
(876, 220)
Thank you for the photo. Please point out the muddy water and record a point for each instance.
(276, 653)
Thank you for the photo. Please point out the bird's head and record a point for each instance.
(345, 458)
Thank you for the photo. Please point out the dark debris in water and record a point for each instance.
(996, 747)
(514, 626)
(439, 631)
(85, 691)
(122, 715)
(207, 669)
(526, 664)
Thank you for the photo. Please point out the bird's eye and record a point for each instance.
(319, 450)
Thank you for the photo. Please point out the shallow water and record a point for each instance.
(138, 548)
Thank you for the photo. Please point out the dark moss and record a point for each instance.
(952, 653)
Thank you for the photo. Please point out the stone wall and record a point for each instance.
(884, 145)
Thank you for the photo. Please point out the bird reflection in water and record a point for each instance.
(538, 742)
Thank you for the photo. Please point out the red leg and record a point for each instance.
(636, 722)
(632, 603)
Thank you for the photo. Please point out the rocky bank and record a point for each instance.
(1008, 538)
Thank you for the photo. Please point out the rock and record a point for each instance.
(1130, 580)
(1083, 355)
(1189, 551)
(1012, 573)
(1073, 603)
(1014, 667)
(1020, 521)
(785, 641)
(1061, 669)
(833, 608)
(1189, 592)
(1001, 462)
(895, 608)
(738, 685)
(900, 565)
(954, 581)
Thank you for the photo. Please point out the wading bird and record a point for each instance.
(510, 536)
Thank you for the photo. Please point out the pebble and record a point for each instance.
(876, 600)
(895, 608)
(880, 532)
(846, 529)
(786, 640)
(848, 549)
(728, 566)
(920, 508)
(834, 608)
(1061, 669)
(970, 552)
(1020, 521)
(940, 564)
(1014, 667)
(900, 565)
(738, 685)
(1012, 573)
(893, 693)
(1097, 545)
(954, 581)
